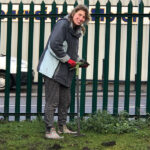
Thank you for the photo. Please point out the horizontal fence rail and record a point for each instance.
(99, 98)
(61, 15)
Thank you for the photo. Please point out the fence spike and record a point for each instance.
(54, 3)
(141, 3)
(108, 3)
(86, 2)
(97, 6)
(76, 3)
(32, 3)
(65, 7)
(130, 3)
(10, 3)
(119, 2)
(21, 2)
(42, 2)
(21, 7)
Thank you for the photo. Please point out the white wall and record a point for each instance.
(90, 52)
(91, 39)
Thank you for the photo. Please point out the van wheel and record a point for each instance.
(2, 81)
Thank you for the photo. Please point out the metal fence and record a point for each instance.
(97, 15)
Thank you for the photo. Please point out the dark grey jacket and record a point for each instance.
(61, 46)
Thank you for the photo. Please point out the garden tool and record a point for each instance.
(78, 64)
(78, 100)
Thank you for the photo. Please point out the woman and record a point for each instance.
(61, 54)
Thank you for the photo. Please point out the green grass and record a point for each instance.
(30, 136)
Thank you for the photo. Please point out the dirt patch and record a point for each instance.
(87, 142)
(110, 143)
(56, 147)
(2, 141)
(148, 148)
(85, 148)
(25, 136)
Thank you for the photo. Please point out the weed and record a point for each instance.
(103, 122)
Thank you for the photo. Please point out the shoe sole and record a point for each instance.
(67, 133)
(54, 138)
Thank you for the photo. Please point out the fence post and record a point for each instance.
(148, 78)
(117, 59)
(83, 72)
(96, 55)
(30, 54)
(53, 19)
(139, 60)
(106, 64)
(19, 58)
(128, 58)
(41, 48)
(8, 57)
(73, 89)
(72, 104)
(0, 23)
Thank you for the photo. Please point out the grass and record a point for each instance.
(29, 135)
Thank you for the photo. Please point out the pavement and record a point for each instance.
(88, 102)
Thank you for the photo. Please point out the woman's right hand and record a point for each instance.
(71, 63)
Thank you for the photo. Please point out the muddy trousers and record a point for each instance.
(56, 96)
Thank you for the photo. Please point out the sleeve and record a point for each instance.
(78, 59)
(57, 39)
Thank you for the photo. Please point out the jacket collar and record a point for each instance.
(75, 31)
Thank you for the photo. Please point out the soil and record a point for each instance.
(85, 148)
(110, 143)
(56, 147)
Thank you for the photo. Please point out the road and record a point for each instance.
(88, 102)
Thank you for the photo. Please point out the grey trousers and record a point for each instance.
(56, 96)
